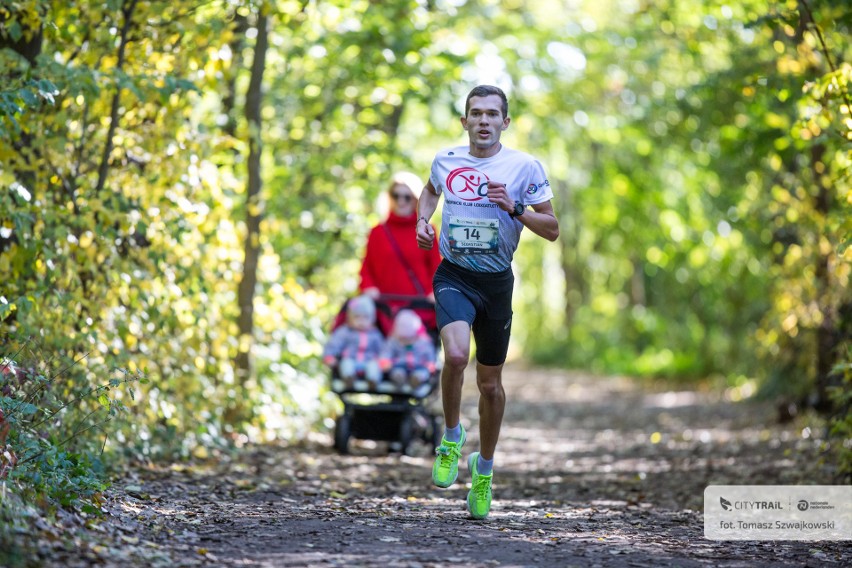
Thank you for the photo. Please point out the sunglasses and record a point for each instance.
(402, 196)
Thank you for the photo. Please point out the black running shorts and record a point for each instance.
(483, 300)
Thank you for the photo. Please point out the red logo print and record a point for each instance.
(468, 184)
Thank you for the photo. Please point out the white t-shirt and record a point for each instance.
(475, 233)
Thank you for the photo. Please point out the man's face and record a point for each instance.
(485, 122)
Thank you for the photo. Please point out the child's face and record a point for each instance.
(405, 338)
(359, 321)
(406, 327)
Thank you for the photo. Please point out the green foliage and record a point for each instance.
(688, 149)
(122, 236)
(804, 207)
(15, 102)
(54, 422)
(698, 150)
(841, 423)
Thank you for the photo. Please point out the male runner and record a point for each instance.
(487, 189)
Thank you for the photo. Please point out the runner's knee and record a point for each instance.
(491, 390)
(456, 356)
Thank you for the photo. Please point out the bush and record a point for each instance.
(841, 424)
(53, 426)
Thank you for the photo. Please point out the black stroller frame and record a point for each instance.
(389, 413)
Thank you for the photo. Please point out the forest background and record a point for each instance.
(188, 185)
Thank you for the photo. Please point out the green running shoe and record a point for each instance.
(445, 470)
(479, 496)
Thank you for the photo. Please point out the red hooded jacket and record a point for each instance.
(382, 267)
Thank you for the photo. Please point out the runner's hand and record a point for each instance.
(425, 235)
(498, 195)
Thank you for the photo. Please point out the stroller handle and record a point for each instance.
(414, 302)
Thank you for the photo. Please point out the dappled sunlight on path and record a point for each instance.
(606, 436)
(589, 471)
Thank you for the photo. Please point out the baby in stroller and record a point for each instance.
(409, 353)
(393, 353)
(355, 346)
(391, 408)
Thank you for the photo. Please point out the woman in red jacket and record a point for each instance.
(393, 263)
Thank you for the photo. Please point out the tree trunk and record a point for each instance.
(127, 9)
(254, 212)
(828, 339)
(569, 232)
(29, 44)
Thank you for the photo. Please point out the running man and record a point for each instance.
(487, 189)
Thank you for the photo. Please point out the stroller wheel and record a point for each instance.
(342, 431)
(406, 432)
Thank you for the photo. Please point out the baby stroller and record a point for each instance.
(390, 413)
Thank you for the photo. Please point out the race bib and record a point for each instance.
(474, 236)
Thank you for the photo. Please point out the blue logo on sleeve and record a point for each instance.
(533, 188)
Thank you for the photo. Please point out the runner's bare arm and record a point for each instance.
(426, 207)
(541, 221)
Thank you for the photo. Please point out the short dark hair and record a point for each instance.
(484, 91)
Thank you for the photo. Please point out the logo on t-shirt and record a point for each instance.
(533, 188)
(468, 184)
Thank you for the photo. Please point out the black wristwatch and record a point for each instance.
(518, 210)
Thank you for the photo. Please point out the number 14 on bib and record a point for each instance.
(474, 236)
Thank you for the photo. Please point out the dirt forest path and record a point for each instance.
(589, 472)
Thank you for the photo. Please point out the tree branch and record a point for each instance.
(824, 47)
(127, 13)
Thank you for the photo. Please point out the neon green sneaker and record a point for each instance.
(445, 470)
(479, 496)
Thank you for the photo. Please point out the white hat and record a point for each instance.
(362, 306)
(407, 324)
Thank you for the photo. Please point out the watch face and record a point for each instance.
(519, 209)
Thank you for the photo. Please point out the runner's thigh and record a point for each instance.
(493, 325)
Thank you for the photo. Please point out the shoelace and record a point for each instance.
(483, 483)
(446, 453)
(481, 487)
